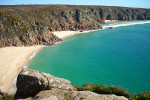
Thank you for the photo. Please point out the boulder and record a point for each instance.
(50, 97)
(88, 95)
(58, 93)
(31, 82)
(76, 95)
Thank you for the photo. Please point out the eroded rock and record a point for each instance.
(31, 82)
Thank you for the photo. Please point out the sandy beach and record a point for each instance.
(109, 21)
(12, 60)
(64, 34)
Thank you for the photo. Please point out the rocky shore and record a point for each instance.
(42, 86)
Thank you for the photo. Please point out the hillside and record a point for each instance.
(33, 24)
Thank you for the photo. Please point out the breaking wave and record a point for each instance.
(119, 24)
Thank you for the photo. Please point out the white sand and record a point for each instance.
(63, 34)
(107, 21)
(12, 60)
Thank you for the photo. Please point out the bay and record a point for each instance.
(119, 56)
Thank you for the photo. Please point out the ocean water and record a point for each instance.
(118, 56)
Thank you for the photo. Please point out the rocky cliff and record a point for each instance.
(42, 86)
(34, 85)
(32, 24)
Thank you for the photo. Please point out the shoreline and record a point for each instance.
(11, 77)
(12, 61)
(64, 34)
(110, 21)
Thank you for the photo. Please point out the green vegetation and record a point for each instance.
(49, 87)
(104, 89)
(32, 98)
(66, 97)
(8, 97)
(13, 25)
(13, 18)
(100, 89)
(10, 17)
(143, 96)
(70, 89)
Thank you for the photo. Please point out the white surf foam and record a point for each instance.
(88, 31)
(124, 24)
(46, 46)
(13, 88)
(33, 55)
(25, 67)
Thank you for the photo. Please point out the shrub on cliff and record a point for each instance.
(103, 89)
(143, 96)
(7, 97)
(66, 97)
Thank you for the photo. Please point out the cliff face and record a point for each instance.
(18, 22)
(15, 31)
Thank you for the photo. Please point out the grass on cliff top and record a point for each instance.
(7, 97)
(143, 96)
(66, 97)
(104, 89)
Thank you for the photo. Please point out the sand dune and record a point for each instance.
(12, 60)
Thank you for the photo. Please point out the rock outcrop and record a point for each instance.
(88, 95)
(17, 32)
(29, 22)
(30, 82)
(76, 95)
(53, 92)
(42, 86)
(29, 40)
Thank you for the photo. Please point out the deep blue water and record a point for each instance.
(118, 56)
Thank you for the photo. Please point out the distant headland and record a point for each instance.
(32, 24)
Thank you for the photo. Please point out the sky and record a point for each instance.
(125, 3)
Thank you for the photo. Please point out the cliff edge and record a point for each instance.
(43, 86)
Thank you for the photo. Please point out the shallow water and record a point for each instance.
(118, 56)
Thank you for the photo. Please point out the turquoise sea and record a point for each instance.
(119, 56)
